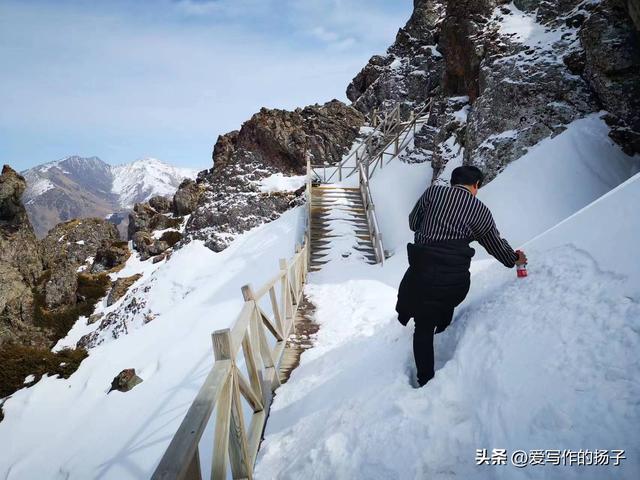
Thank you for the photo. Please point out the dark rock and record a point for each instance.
(612, 50)
(160, 204)
(171, 237)
(16, 309)
(20, 264)
(147, 245)
(125, 380)
(279, 138)
(575, 61)
(66, 247)
(120, 287)
(162, 222)
(518, 92)
(140, 218)
(186, 197)
(111, 256)
(412, 67)
(18, 243)
(272, 141)
(96, 317)
(462, 44)
(159, 258)
(77, 240)
(60, 289)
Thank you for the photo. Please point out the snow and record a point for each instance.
(39, 187)
(140, 180)
(523, 28)
(29, 379)
(92, 434)
(281, 183)
(556, 178)
(462, 114)
(506, 135)
(546, 362)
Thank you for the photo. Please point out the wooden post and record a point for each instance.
(221, 436)
(248, 295)
(241, 465)
(286, 305)
(238, 447)
(193, 471)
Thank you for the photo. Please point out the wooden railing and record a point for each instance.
(372, 221)
(262, 337)
(384, 127)
(372, 153)
(399, 142)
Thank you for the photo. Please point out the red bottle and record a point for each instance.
(521, 270)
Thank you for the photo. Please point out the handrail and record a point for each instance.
(392, 129)
(226, 385)
(372, 221)
(394, 132)
(387, 125)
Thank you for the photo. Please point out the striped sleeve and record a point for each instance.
(487, 235)
(416, 216)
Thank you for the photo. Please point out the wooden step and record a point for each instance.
(329, 187)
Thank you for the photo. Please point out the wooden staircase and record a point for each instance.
(338, 226)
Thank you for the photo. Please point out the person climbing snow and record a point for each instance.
(445, 221)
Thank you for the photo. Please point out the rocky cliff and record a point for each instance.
(503, 75)
(48, 284)
(228, 199)
(20, 262)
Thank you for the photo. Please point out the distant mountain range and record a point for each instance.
(76, 187)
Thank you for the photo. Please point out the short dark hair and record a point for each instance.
(467, 175)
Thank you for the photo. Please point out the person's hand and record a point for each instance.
(522, 257)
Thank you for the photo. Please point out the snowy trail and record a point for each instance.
(546, 362)
(522, 367)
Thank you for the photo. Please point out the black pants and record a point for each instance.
(437, 311)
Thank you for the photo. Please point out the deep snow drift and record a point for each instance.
(546, 362)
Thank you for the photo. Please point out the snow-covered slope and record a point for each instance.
(549, 362)
(140, 180)
(73, 429)
(546, 362)
(557, 177)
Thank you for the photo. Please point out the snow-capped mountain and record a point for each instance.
(76, 187)
(140, 180)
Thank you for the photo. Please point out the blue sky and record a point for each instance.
(128, 79)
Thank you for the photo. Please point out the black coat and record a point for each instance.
(437, 278)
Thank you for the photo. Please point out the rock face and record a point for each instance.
(612, 68)
(186, 198)
(66, 247)
(145, 219)
(20, 262)
(497, 90)
(18, 244)
(120, 287)
(42, 290)
(229, 199)
(110, 256)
